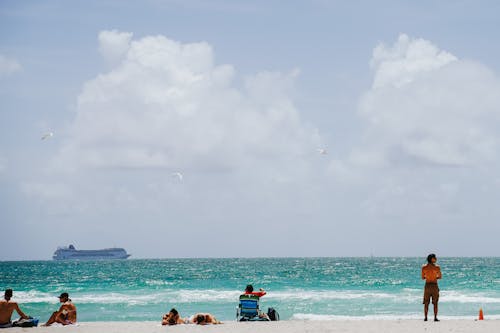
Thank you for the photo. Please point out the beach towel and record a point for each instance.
(31, 322)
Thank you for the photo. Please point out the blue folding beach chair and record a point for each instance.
(248, 309)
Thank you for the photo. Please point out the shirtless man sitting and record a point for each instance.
(431, 273)
(7, 308)
(66, 314)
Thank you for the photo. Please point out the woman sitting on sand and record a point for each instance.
(172, 318)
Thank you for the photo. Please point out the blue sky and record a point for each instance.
(238, 97)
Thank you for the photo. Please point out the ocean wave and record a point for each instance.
(182, 296)
(132, 298)
(480, 298)
(320, 295)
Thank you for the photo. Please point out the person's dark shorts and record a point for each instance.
(431, 290)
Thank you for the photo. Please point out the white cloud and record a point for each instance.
(113, 45)
(406, 60)
(430, 135)
(8, 65)
(428, 106)
(167, 104)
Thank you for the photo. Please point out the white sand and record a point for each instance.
(286, 326)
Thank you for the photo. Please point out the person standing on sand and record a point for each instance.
(7, 308)
(431, 273)
(66, 314)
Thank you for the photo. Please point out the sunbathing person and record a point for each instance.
(172, 318)
(66, 314)
(7, 308)
(203, 319)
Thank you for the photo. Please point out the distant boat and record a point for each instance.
(71, 253)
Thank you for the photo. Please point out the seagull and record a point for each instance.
(47, 135)
(178, 175)
(322, 151)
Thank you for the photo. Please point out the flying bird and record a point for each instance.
(47, 135)
(177, 175)
(322, 151)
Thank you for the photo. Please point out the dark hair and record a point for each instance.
(430, 256)
(174, 312)
(172, 321)
(249, 288)
(200, 319)
(8, 293)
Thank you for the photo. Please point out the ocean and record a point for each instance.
(298, 288)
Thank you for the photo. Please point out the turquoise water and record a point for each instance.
(299, 288)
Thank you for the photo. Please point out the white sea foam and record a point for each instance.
(135, 297)
(480, 298)
(346, 295)
(406, 296)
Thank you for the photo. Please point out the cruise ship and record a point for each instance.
(71, 253)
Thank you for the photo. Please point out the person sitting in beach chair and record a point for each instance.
(248, 307)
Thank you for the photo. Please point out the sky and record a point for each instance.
(250, 128)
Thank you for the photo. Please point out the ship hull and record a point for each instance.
(104, 254)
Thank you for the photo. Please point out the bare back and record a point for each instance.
(6, 309)
(431, 273)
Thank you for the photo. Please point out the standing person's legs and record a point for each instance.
(435, 300)
(427, 300)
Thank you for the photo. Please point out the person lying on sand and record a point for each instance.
(66, 314)
(203, 319)
(172, 318)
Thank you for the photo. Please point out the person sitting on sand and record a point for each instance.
(249, 291)
(203, 319)
(172, 318)
(431, 273)
(7, 308)
(66, 314)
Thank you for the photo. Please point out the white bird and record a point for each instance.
(47, 135)
(322, 151)
(178, 175)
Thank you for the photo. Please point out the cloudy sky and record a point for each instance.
(250, 128)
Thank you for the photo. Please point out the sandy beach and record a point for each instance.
(289, 326)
